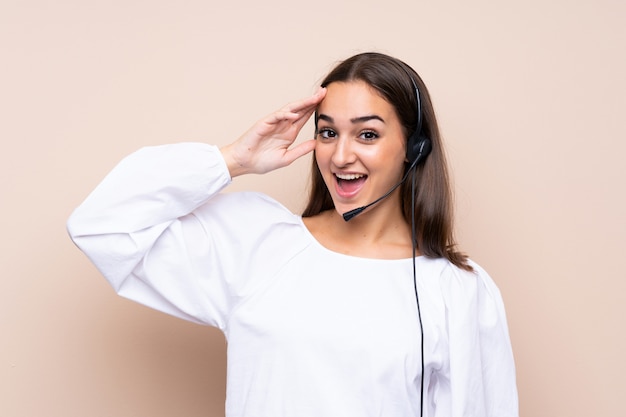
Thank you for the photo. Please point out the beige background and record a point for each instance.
(530, 95)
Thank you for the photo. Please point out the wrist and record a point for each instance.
(235, 168)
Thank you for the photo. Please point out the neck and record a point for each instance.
(373, 234)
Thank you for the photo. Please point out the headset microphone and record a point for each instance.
(422, 149)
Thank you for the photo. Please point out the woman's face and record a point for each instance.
(360, 148)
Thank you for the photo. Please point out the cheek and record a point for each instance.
(322, 155)
(385, 157)
(397, 152)
(390, 161)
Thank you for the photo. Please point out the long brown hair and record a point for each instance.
(391, 78)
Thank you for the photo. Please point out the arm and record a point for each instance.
(139, 213)
(142, 229)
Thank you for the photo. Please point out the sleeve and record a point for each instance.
(481, 371)
(160, 233)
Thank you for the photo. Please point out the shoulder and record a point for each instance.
(446, 270)
(457, 283)
(471, 298)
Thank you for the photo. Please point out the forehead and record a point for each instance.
(346, 100)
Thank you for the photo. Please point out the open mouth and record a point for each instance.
(349, 184)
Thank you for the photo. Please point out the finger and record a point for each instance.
(296, 113)
(308, 103)
(311, 102)
(281, 116)
(297, 110)
(305, 114)
(303, 118)
(300, 150)
(297, 119)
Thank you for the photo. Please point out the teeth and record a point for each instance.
(348, 177)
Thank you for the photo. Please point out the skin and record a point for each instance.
(359, 134)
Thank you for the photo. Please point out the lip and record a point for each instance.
(347, 189)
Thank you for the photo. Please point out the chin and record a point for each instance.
(341, 209)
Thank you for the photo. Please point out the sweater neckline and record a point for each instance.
(351, 257)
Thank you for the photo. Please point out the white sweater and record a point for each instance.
(310, 332)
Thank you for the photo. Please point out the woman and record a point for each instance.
(375, 316)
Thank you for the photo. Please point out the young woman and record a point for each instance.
(377, 315)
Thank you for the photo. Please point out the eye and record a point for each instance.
(368, 135)
(326, 133)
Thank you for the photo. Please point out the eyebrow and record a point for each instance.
(360, 119)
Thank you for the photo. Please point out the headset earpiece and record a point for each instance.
(418, 146)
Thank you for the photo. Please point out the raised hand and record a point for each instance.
(267, 145)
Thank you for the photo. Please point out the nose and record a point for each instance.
(343, 153)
